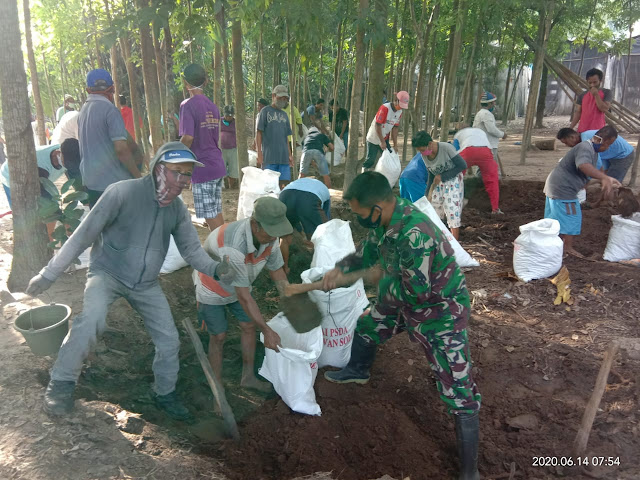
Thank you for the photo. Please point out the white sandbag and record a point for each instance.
(253, 158)
(332, 242)
(389, 166)
(624, 239)
(338, 151)
(173, 261)
(293, 370)
(305, 132)
(582, 195)
(537, 252)
(256, 183)
(463, 259)
(340, 309)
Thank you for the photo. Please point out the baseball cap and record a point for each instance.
(175, 152)
(195, 75)
(271, 214)
(69, 98)
(280, 91)
(487, 97)
(99, 79)
(403, 99)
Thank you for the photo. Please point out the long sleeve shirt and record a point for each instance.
(485, 120)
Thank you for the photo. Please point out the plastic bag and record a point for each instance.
(256, 183)
(340, 310)
(173, 261)
(624, 239)
(389, 166)
(332, 242)
(582, 195)
(293, 370)
(338, 151)
(253, 158)
(463, 259)
(537, 252)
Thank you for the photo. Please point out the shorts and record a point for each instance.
(207, 198)
(284, 169)
(317, 156)
(412, 190)
(304, 210)
(567, 212)
(447, 198)
(230, 159)
(214, 317)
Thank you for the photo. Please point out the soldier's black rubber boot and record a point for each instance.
(363, 354)
(173, 407)
(58, 397)
(467, 438)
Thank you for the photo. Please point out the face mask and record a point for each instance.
(492, 109)
(369, 222)
(596, 146)
(226, 122)
(281, 104)
(169, 184)
(426, 153)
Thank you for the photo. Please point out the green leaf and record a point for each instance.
(80, 196)
(50, 187)
(60, 233)
(77, 213)
(47, 207)
(70, 207)
(72, 223)
(67, 185)
(53, 244)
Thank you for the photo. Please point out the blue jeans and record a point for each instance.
(283, 168)
(100, 292)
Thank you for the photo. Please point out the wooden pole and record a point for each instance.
(580, 443)
(216, 387)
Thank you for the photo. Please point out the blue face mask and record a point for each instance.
(596, 146)
(492, 109)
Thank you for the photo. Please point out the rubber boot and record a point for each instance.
(467, 438)
(363, 354)
(173, 407)
(58, 397)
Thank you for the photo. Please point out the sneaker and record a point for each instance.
(497, 212)
(173, 407)
(58, 397)
(347, 375)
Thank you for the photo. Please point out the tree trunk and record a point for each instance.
(125, 50)
(30, 252)
(225, 58)
(422, 76)
(453, 67)
(626, 70)
(62, 76)
(512, 96)
(238, 84)
(262, 71)
(173, 104)
(336, 85)
(376, 72)
(584, 47)
(292, 120)
(150, 79)
(113, 54)
(321, 69)
(217, 74)
(96, 44)
(351, 167)
(430, 109)
(52, 101)
(394, 35)
(542, 97)
(634, 168)
(505, 98)
(544, 26)
(162, 87)
(33, 73)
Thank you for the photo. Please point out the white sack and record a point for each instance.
(338, 151)
(293, 370)
(389, 166)
(624, 239)
(173, 261)
(332, 242)
(253, 158)
(537, 252)
(340, 309)
(463, 259)
(256, 183)
(582, 195)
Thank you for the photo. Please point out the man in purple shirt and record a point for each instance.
(200, 131)
(228, 146)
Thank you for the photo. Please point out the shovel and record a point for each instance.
(302, 312)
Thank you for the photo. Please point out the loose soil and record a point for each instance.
(535, 364)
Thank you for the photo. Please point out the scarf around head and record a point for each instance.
(169, 184)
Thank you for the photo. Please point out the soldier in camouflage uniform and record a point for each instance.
(422, 291)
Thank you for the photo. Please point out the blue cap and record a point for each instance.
(175, 152)
(99, 79)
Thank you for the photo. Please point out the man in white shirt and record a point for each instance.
(485, 120)
(385, 125)
(473, 146)
(67, 127)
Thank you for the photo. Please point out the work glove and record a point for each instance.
(37, 285)
(225, 271)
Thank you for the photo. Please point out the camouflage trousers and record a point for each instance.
(445, 344)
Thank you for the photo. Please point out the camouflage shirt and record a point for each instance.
(420, 271)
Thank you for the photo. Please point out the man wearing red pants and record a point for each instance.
(474, 147)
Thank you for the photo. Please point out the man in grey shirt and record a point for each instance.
(272, 131)
(569, 177)
(106, 156)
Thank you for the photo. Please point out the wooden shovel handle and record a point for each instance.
(347, 280)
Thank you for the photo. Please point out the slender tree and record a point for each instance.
(238, 85)
(33, 71)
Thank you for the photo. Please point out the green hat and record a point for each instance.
(195, 75)
(271, 214)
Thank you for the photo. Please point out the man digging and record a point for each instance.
(130, 227)
(422, 291)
